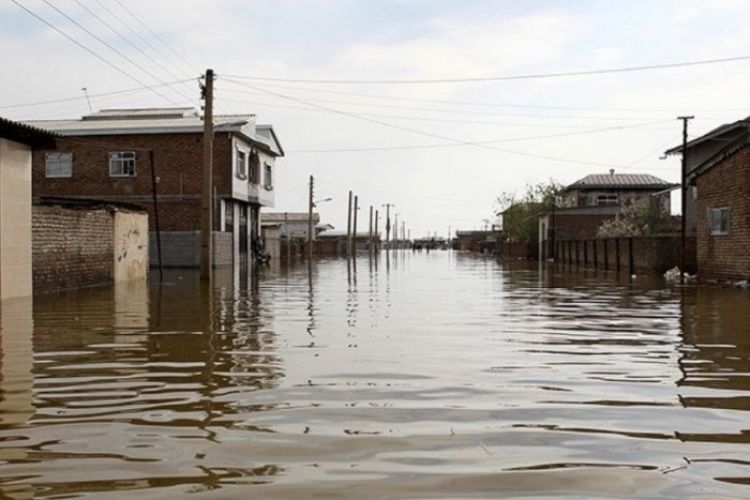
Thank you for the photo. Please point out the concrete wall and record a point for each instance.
(131, 246)
(182, 248)
(15, 215)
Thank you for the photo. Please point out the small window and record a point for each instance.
(228, 216)
(58, 165)
(254, 168)
(241, 164)
(606, 199)
(718, 221)
(122, 164)
(268, 177)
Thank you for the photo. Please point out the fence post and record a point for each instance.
(631, 260)
(585, 253)
(606, 255)
(596, 254)
(617, 254)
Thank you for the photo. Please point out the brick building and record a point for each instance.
(587, 203)
(109, 155)
(721, 186)
(700, 150)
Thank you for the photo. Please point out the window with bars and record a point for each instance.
(228, 216)
(58, 165)
(254, 174)
(718, 221)
(241, 164)
(122, 164)
(268, 177)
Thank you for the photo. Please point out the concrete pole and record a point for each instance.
(349, 227)
(369, 236)
(354, 225)
(311, 204)
(683, 182)
(207, 188)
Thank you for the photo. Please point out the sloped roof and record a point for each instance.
(288, 216)
(161, 121)
(717, 132)
(23, 133)
(620, 181)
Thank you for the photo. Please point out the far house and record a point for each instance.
(719, 181)
(110, 155)
(587, 203)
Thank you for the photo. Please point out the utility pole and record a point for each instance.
(369, 236)
(388, 223)
(377, 235)
(207, 192)
(403, 230)
(395, 230)
(349, 227)
(311, 204)
(683, 182)
(354, 225)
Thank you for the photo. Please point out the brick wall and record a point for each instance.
(71, 248)
(177, 161)
(654, 254)
(578, 226)
(727, 184)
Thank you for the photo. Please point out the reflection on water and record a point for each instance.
(405, 376)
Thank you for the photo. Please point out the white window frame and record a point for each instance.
(268, 176)
(719, 221)
(608, 199)
(241, 164)
(54, 160)
(118, 160)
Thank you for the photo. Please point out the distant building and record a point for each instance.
(109, 155)
(720, 188)
(587, 203)
(16, 142)
(622, 190)
(293, 224)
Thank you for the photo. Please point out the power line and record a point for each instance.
(531, 76)
(493, 141)
(114, 49)
(492, 104)
(95, 54)
(126, 40)
(139, 21)
(452, 111)
(83, 98)
(434, 136)
(143, 40)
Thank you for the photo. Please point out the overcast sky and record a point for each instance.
(622, 121)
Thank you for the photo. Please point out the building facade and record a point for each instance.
(16, 143)
(125, 155)
(721, 184)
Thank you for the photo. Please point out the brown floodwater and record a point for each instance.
(439, 375)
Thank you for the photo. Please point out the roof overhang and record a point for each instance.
(717, 132)
(26, 134)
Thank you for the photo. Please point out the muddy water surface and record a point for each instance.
(435, 375)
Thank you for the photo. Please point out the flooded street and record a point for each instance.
(438, 375)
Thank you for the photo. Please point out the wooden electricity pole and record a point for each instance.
(207, 188)
(311, 204)
(683, 177)
(377, 235)
(369, 234)
(349, 227)
(354, 225)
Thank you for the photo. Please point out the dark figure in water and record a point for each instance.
(261, 256)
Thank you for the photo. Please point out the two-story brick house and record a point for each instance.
(109, 155)
(720, 187)
(587, 203)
